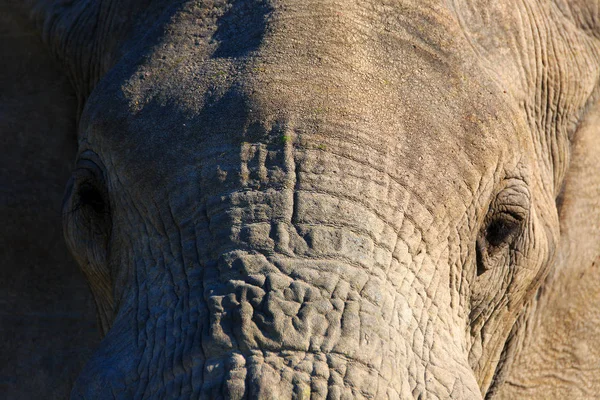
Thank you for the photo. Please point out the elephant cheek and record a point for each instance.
(111, 372)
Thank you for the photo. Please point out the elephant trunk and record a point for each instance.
(301, 284)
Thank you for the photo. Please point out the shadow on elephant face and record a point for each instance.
(262, 217)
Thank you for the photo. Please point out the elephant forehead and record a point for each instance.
(242, 132)
(314, 76)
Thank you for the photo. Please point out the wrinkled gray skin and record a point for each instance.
(335, 199)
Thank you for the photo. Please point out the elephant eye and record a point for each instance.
(91, 197)
(498, 235)
(501, 230)
(86, 201)
(503, 225)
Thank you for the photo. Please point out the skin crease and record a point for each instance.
(345, 200)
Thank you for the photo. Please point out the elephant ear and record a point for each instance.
(48, 326)
(559, 354)
(558, 357)
(546, 55)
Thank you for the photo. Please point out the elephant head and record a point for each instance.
(325, 199)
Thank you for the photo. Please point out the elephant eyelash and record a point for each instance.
(500, 232)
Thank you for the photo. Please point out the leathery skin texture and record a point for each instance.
(280, 199)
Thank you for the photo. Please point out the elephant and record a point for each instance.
(334, 199)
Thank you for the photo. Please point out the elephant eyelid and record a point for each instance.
(514, 213)
(509, 212)
(514, 199)
(512, 204)
(505, 221)
(90, 167)
(499, 233)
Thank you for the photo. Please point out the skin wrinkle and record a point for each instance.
(417, 231)
(532, 17)
(143, 375)
(546, 338)
(187, 291)
(182, 263)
